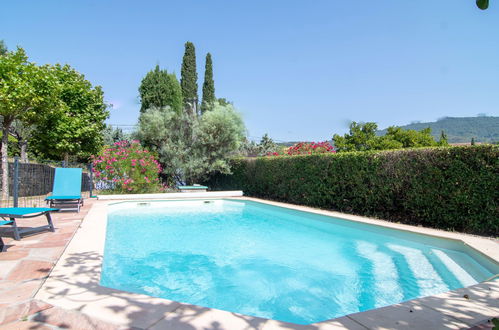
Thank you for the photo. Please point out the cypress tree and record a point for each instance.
(159, 89)
(208, 85)
(189, 77)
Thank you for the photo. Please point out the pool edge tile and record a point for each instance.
(407, 315)
(191, 317)
(339, 323)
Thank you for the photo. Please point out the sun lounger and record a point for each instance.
(193, 188)
(67, 189)
(10, 214)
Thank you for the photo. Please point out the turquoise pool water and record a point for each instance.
(272, 262)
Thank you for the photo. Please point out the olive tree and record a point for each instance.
(191, 148)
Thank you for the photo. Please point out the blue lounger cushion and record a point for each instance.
(63, 197)
(66, 190)
(192, 187)
(17, 212)
(67, 183)
(14, 213)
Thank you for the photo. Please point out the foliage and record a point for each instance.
(220, 134)
(461, 129)
(362, 137)
(168, 133)
(443, 138)
(22, 132)
(27, 92)
(208, 86)
(310, 148)
(14, 147)
(482, 4)
(409, 138)
(453, 188)
(249, 149)
(76, 129)
(3, 48)
(191, 148)
(189, 76)
(112, 135)
(223, 101)
(495, 323)
(126, 167)
(267, 145)
(160, 89)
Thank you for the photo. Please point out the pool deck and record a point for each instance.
(35, 294)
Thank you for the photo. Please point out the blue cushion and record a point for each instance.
(192, 187)
(67, 182)
(63, 197)
(8, 211)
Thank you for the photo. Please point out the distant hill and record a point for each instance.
(461, 129)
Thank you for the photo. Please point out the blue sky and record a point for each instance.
(298, 70)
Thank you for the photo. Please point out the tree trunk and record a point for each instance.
(66, 159)
(24, 153)
(5, 159)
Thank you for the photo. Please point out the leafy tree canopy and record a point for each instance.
(221, 133)
(267, 145)
(223, 101)
(482, 4)
(112, 135)
(363, 137)
(27, 93)
(76, 129)
(3, 48)
(159, 89)
(189, 148)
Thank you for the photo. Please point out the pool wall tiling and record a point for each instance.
(74, 284)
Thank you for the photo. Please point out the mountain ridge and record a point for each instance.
(460, 129)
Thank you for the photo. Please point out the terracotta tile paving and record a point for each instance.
(25, 264)
(30, 269)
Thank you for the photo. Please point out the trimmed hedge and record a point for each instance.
(455, 188)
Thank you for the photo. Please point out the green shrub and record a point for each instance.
(452, 188)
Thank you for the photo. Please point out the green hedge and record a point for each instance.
(452, 188)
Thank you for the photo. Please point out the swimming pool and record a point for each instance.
(277, 263)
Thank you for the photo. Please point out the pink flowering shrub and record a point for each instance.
(306, 148)
(126, 167)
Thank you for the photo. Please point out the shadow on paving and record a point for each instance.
(138, 310)
(472, 305)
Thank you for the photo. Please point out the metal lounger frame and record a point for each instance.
(63, 202)
(18, 231)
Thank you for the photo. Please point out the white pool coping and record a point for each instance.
(74, 284)
(180, 195)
